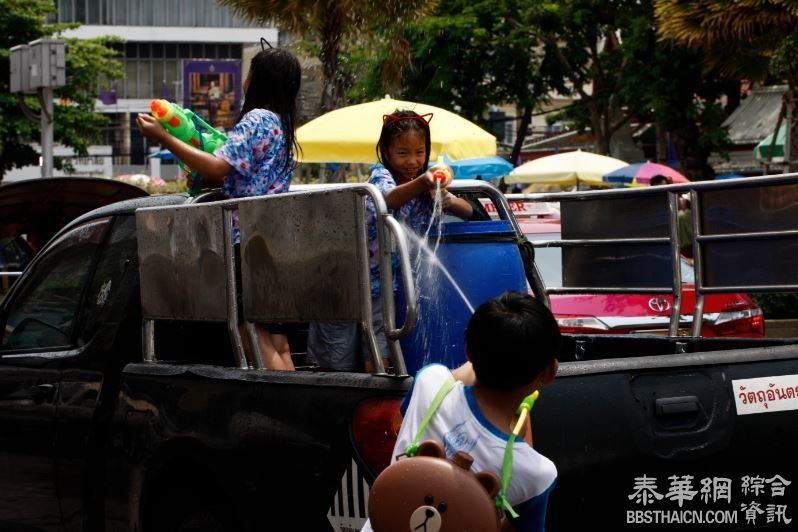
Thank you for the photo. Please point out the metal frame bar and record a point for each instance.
(232, 307)
(505, 213)
(698, 264)
(676, 262)
(385, 229)
(391, 332)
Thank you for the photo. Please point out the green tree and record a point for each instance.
(472, 54)
(667, 84)
(583, 35)
(742, 38)
(614, 62)
(331, 22)
(77, 125)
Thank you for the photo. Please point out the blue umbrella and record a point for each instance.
(728, 175)
(166, 155)
(485, 168)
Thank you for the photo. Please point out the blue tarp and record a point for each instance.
(485, 168)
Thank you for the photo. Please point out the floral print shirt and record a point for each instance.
(256, 148)
(416, 214)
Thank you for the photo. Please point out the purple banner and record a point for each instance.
(212, 89)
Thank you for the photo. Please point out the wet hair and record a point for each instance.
(275, 76)
(398, 123)
(511, 339)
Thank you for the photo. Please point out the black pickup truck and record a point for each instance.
(105, 425)
(127, 403)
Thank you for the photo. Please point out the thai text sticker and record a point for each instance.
(765, 394)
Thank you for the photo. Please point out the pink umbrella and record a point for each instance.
(641, 174)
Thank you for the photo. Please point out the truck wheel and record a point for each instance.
(208, 520)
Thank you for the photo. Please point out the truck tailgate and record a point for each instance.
(656, 442)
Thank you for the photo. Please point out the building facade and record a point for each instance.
(193, 52)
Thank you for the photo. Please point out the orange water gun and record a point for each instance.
(442, 173)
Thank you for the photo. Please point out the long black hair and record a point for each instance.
(275, 76)
(398, 123)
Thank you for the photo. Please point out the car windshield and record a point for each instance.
(549, 261)
(14, 254)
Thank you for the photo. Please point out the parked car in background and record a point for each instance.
(33, 210)
(724, 314)
(15, 253)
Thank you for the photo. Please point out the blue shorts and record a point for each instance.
(340, 346)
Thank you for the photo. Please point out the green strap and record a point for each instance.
(447, 385)
(507, 463)
(507, 471)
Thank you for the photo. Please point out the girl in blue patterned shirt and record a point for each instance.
(257, 158)
(408, 186)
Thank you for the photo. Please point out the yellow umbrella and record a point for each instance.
(566, 169)
(350, 134)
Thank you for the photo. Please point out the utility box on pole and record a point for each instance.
(37, 68)
(20, 69)
(47, 64)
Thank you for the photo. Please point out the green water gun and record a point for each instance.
(186, 126)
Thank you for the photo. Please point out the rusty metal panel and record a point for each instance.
(749, 209)
(752, 264)
(755, 261)
(637, 216)
(626, 267)
(611, 264)
(182, 263)
(300, 257)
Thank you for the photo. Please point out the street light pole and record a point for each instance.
(37, 68)
(46, 100)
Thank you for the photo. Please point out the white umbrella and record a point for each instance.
(566, 169)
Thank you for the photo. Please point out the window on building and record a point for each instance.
(183, 13)
(149, 75)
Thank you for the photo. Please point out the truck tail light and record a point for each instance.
(581, 324)
(736, 322)
(375, 426)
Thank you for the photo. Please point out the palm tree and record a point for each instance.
(330, 21)
(744, 38)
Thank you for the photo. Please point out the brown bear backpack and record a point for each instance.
(427, 492)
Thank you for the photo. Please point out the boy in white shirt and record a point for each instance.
(511, 344)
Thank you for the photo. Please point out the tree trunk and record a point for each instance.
(662, 143)
(333, 92)
(601, 139)
(692, 156)
(520, 135)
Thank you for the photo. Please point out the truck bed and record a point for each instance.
(613, 422)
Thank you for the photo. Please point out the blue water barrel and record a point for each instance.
(483, 259)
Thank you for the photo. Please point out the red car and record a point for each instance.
(724, 314)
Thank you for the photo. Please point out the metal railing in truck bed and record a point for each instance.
(303, 254)
(744, 239)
